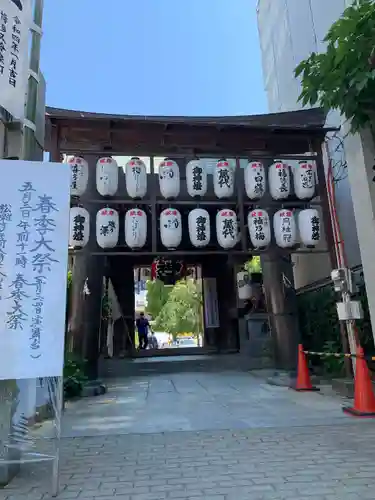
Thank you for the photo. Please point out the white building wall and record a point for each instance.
(289, 30)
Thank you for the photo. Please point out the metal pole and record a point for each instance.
(59, 395)
(350, 328)
(28, 140)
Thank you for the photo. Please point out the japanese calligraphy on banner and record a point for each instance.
(34, 230)
(15, 24)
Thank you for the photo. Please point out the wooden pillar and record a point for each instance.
(87, 287)
(225, 337)
(122, 277)
(282, 308)
(227, 296)
(92, 308)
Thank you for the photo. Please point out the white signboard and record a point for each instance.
(15, 23)
(34, 232)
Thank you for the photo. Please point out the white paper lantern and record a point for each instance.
(169, 179)
(304, 180)
(79, 227)
(135, 228)
(223, 179)
(107, 227)
(79, 178)
(199, 227)
(309, 226)
(226, 228)
(279, 180)
(170, 228)
(258, 222)
(136, 178)
(243, 285)
(106, 176)
(285, 228)
(196, 178)
(255, 180)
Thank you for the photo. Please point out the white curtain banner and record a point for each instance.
(34, 233)
(15, 24)
(211, 308)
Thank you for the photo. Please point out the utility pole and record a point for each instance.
(28, 139)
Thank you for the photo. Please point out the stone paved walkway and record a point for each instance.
(207, 436)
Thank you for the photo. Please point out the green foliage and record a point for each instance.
(157, 296)
(74, 376)
(320, 327)
(318, 318)
(332, 365)
(253, 265)
(182, 312)
(106, 307)
(343, 77)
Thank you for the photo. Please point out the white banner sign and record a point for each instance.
(34, 231)
(15, 23)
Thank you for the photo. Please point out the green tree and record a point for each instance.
(343, 77)
(253, 265)
(182, 312)
(157, 296)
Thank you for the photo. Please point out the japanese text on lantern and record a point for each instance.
(197, 178)
(172, 222)
(106, 229)
(283, 177)
(79, 221)
(5, 218)
(223, 177)
(259, 222)
(135, 223)
(286, 226)
(201, 228)
(75, 170)
(228, 228)
(307, 176)
(315, 227)
(259, 179)
(167, 170)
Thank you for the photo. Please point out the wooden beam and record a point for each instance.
(187, 253)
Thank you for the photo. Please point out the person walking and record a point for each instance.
(153, 341)
(142, 325)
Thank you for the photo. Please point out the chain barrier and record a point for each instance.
(338, 355)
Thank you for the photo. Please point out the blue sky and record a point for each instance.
(153, 57)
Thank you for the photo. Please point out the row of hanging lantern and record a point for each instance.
(288, 228)
(279, 178)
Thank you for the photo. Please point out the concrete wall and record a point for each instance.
(289, 30)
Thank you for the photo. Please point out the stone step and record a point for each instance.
(116, 368)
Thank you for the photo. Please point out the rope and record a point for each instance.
(338, 355)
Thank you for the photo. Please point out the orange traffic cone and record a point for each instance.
(303, 382)
(364, 399)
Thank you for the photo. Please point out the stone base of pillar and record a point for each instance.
(283, 378)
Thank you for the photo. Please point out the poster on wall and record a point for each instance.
(15, 24)
(34, 232)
